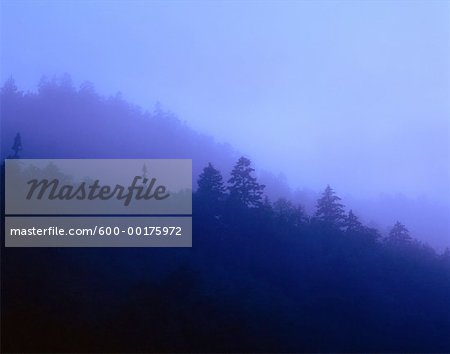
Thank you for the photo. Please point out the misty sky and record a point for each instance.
(355, 94)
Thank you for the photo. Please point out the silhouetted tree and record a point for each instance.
(244, 188)
(399, 235)
(87, 92)
(352, 223)
(66, 83)
(329, 210)
(17, 146)
(210, 185)
(9, 87)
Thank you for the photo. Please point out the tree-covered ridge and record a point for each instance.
(339, 284)
(262, 276)
(61, 120)
(244, 191)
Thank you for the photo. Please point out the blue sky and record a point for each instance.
(355, 94)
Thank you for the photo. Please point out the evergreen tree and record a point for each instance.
(399, 235)
(244, 188)
(211, 189)
(352, 223)
(87, 90)
(329, 210)
(9, 87)
(17, 146)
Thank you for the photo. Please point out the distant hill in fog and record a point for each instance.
(60, 121)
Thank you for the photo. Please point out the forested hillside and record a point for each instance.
(263, 275)
(61, 121)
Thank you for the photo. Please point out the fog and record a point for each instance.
(354, 94)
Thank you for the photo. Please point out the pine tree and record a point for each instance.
(9, 87)
(399, 235)
(244, 188)
(87, 89)
(329, 210)
(17, 146)
(211, 187)
(352, 223)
